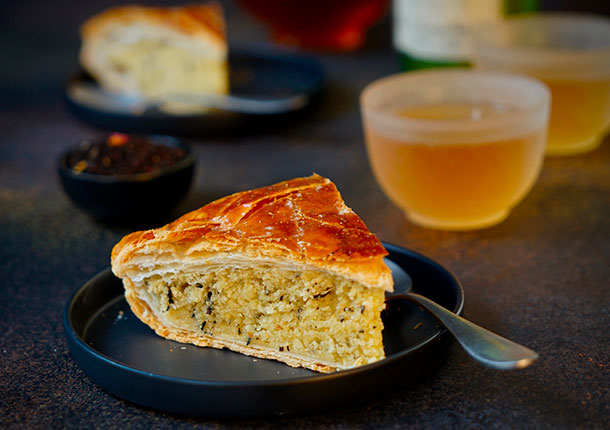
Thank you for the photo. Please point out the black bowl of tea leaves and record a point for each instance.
(122, 177)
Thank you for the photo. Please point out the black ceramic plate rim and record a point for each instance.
(136, 177)
(254, 51)
(317, 377)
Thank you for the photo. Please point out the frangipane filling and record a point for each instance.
(146, 63)
(304, 313)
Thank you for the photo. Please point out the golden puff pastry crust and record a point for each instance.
(298, 226)
(153, 51)
(302, 221)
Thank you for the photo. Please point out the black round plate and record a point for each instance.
(127, 359)
(255, 73)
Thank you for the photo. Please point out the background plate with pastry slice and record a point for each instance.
(264, 85)
(128, 360)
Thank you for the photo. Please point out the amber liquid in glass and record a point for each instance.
(455, 185)
(580, 115)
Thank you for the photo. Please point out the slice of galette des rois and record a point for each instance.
(285, 272)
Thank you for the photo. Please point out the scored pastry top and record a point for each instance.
(302, 221)
(203, 21)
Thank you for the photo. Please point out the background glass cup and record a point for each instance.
(455, 149)
(571, 54)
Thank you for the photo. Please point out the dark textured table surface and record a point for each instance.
(541, 277)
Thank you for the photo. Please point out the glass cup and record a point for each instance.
(456, 149)
(571, 54)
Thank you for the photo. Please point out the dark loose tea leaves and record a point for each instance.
(121, 154)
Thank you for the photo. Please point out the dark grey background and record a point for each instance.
(541, 277)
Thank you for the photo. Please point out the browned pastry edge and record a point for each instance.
(202, 21)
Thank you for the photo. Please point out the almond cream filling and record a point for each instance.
(308, 314)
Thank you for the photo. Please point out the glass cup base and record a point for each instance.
(441, 224)
(581, 147)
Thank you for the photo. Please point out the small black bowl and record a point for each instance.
(142, 196)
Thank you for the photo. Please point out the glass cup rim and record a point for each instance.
(511, 121)
(550, 61)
